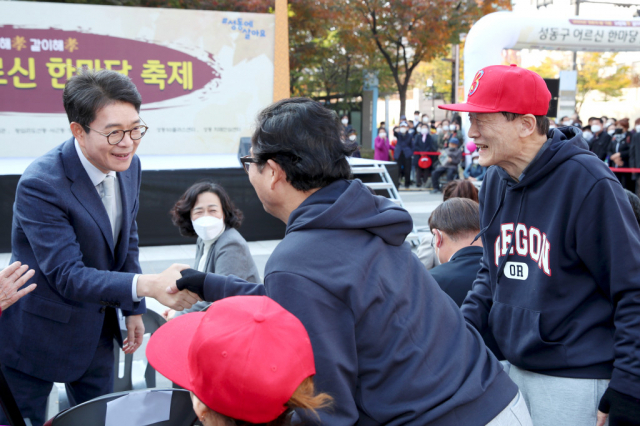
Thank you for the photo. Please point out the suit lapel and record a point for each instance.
(84, 191)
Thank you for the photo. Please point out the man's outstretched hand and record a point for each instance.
(157, 285)
(12, 278)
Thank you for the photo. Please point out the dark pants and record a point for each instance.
(422, 175)
(404, 168)
(31, 393)
(435, 177)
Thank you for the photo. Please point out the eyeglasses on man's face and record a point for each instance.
(116, 136)
(246, 162)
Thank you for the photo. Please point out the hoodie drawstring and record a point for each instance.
(503, 191)
(513, 239)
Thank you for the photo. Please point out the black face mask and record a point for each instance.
(618, 132)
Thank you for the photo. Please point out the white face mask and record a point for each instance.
(403, 130)
(596, 128)
(382, 135)
(208, 227)
(638, 128)
(439, 130)
(425, 119)
(345, 121)
(587, 135)
(416, 117)
(352, 137)
(452, 127)
(567, 123)
(424, 130)
(611, 132)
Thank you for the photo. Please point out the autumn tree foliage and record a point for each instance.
(408, 32)
(333, 42)
(597, 71)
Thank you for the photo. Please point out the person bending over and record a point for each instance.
(390, 347)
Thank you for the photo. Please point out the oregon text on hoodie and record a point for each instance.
(559, 283)
(390, 347)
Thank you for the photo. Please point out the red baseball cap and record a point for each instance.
(243, 358)
(505, 88)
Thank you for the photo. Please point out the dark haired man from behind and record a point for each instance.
(559, 281)
(454, 225)
(390, 347)
(74, 223)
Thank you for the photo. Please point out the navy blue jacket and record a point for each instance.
(62, 231)
(389, 345)
(560, 279)
(403, 145)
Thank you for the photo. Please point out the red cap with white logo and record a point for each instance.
(501, 88)
(243, 358)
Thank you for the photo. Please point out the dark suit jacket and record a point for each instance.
(404, 145)
(599, 145)
(61, 230)
(456, 278)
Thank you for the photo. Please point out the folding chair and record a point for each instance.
(8, 403)
(152, 321)
(94, 412)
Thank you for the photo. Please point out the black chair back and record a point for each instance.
(94, 412)
(152, 321)
(8, 403)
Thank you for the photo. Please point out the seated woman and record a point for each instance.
(246, 361)
(205, 210)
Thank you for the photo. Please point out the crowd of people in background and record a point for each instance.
(614, 142)
(426, 150)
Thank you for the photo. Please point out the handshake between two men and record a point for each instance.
(164, 288)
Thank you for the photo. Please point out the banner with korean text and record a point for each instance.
(203, 75)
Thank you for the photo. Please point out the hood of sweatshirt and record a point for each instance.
(562, 144)
(349, 205)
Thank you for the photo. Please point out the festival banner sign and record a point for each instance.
(203, 76)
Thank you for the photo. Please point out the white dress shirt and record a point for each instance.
(97, 176)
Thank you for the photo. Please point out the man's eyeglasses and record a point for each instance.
(116, 136)
(246, 162)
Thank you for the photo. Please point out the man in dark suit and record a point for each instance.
(74, 223)
(454, 225)
(403, 152)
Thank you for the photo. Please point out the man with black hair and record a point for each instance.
(74, 223)
(389, 346)
(601, 140)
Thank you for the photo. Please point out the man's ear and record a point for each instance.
(78, 132)
(276, 173)
(528, 125)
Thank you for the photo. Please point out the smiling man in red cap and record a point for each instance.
(559, 283)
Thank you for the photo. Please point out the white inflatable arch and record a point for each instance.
(510, 30)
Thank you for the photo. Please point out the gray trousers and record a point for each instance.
(554, 401)
(516, 414)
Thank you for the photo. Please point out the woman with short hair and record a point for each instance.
(206, 211)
